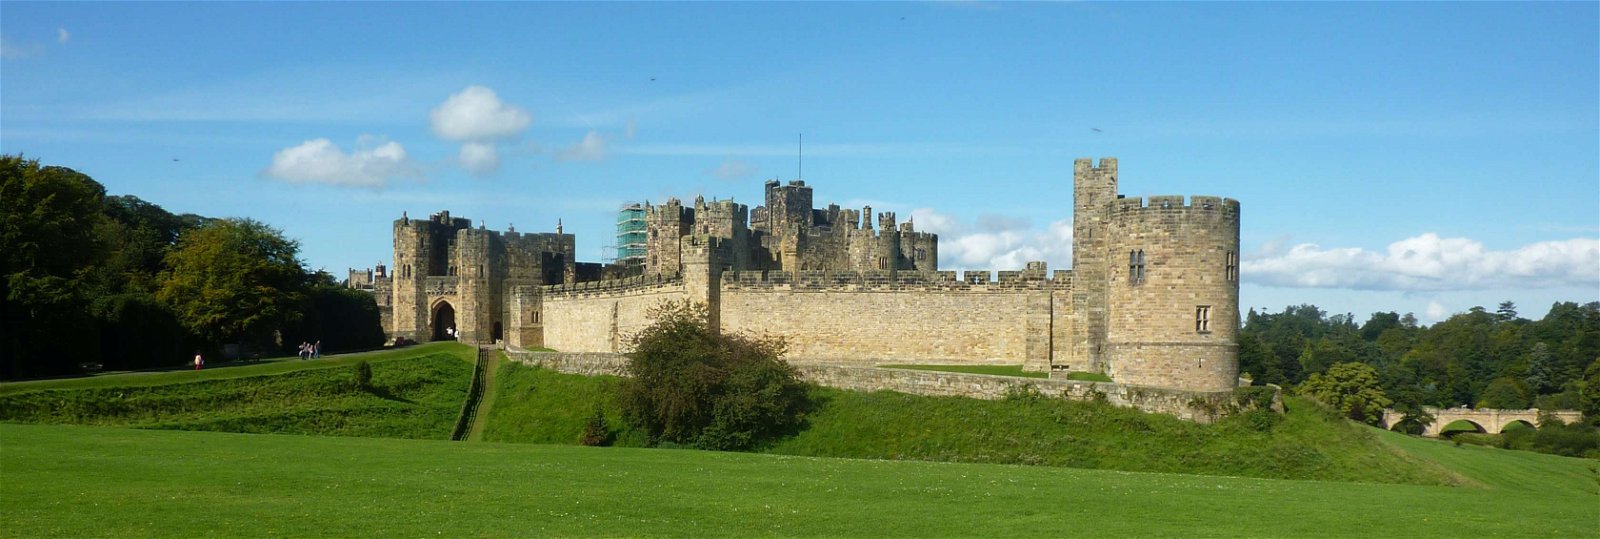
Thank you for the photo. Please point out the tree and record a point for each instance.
(1506, 394)
(235, 280)
(1589, 394)
(1506, 313)
(48, 218)
(1350, 388)
(691, 385)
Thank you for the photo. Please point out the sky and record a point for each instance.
(1407, 157)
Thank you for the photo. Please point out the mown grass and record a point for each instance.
(996, 370)
(415, 393)
(237, 369)
(71, 481)
(542, 406)
(535, 405)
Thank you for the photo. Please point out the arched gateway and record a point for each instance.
(443, 322)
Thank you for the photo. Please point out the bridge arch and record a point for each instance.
(1460, 426)
(1516, 424)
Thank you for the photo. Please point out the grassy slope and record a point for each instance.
(542, 406)
(92, 481)
(418, 395)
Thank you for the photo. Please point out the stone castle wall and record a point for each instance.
(869, 318)
(601, 316)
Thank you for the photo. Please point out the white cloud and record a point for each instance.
(477, 114)
(996, 242)
(372, 164)
(1437, 311)
(734, 169)
(591, 148)
(12, 51)
(1430, 263)
(476, 117)
(61, 35)
(480, 158)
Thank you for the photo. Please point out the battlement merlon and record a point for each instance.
(1202, 203)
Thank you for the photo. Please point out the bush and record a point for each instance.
(1352, 389)
(596, 432)
(363, 376)
(690, 385)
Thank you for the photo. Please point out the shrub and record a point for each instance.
(596, 432)
(691, 385)
(363, 377)
(1352, 389)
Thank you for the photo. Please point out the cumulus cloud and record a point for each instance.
(734, 169)
(477, 114)
(480, 158)
(591, 148)
(61, 35)
(996, 242)
(373, 163)
(477, 118)
(1429, 263)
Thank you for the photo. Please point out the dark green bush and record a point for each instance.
(596, 432)
(691, 385)
(363, 376)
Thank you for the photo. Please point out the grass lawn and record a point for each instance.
(416, 393)
(237, 369)
(996, 370)
(75, 481)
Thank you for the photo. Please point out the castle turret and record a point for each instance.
(1092, 188)
(1173, 292)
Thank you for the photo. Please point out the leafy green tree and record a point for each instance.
(235, 280)
(1506, 394)
(1506, 313)
(48, 219)
(1590, 392)
(691, 385)
(1350, 388)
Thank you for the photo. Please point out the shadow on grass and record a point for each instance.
(385, 394)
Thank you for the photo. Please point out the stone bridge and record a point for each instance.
(1487, 420)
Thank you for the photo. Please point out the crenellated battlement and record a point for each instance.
(613, 286)
(1167, 204)
(970, 280)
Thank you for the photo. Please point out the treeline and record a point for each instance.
(1478, 358)
(115, 280)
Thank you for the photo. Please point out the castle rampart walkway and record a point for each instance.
(1489, 420)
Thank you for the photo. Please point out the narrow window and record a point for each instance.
(1202, 319)
(1136, 267)
(1233, 267)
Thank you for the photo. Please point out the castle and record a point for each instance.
(1152, 298)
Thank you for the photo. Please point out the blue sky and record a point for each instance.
(1419, 158)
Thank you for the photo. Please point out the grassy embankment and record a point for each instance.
(415, 393)
(72, 481)
(542, 406)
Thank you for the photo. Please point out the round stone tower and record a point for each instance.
(1172, 285)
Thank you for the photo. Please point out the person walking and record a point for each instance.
(198, 361)
(316, 350)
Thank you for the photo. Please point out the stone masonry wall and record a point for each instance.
(869, 318)
(594, 317)
(1198, 406)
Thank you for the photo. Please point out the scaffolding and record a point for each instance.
(631, 235)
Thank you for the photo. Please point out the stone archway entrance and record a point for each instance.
(444, 322)
(497, 334)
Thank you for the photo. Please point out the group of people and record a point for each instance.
(310, 350)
